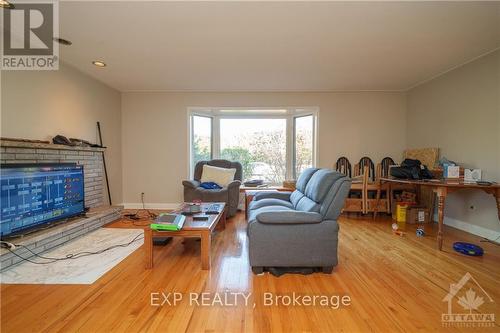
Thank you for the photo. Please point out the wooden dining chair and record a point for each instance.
(383, 168)
(379, 204)
(359, 168)
(344, 166)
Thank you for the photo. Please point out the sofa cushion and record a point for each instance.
(307, 205)
(252, 213)
(258, 195)
(289, 217)
(304, 179)
(269, 202)
(320, 183)
(220, 176)
(295, 197)
(335, 199)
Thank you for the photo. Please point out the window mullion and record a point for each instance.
(216, 137)
(289, 148)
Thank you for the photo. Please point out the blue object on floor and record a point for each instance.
(468, 249)
(420, 232)
(210, 186)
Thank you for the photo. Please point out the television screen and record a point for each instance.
(35, 194)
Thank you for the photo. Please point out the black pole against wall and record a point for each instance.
(104, 162)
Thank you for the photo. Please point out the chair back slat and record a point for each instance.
(344, 166)
(385, 165)
(366, 161)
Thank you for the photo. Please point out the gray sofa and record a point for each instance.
(229, 195)
(298, 229)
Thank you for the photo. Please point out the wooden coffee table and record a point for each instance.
(196, 229)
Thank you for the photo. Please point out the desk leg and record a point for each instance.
(148, 247)
(441, 195)
(206, 240)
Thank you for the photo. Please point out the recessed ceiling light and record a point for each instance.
(6, 4)
(62, 41)
(99, 63)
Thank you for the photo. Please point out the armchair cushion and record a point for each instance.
(289, 217)
(272, 194)
(229, 193)
(221, 176)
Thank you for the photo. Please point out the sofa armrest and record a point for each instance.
(272, 195)
(289, 217)
(191, 183)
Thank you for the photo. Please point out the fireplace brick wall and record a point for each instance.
(90, 158)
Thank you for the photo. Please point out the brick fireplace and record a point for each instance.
(90, 158)
(95, 196)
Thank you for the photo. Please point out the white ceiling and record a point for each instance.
(275, 46)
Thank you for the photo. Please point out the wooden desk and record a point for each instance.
(191, 228)
(442, 188)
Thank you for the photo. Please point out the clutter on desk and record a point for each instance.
(451, 169)
(253, 183)
(472, 175)
(411, 169)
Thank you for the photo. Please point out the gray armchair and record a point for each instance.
(298, 229)
(229, 195)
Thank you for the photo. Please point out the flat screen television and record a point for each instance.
(33, 195)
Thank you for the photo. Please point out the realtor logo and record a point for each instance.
(28, 32)
(470, 298)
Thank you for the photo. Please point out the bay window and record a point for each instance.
(271, 144)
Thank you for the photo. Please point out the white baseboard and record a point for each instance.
(471, 228)
(138, 205)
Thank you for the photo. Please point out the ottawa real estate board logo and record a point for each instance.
(474, 305)
(28, 31)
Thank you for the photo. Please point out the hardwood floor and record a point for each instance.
(396, 284)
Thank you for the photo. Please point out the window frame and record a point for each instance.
(290, 114)
(191, 140)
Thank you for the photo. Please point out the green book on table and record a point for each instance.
(168, 222)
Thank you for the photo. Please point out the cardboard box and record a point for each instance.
(418, 215)
(400, 203)
(406, 196)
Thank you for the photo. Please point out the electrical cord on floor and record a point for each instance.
(136, 216)
(137, 219)
(151, 215)
(69, 256)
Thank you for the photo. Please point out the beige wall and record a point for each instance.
(41, 104)
(155, 132)
(460, 113)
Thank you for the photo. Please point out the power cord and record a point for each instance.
(151, 215)
(11, 247)
(136, 216)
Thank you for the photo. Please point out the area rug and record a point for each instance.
(81, 270)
